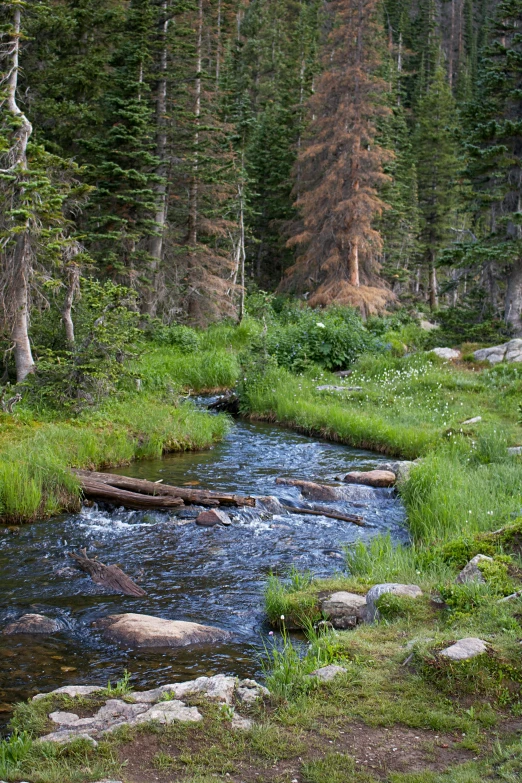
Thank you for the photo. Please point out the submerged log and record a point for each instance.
(330, 513)
(108, 576)
(145, 488)
(98, 491)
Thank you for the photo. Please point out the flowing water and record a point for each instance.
(209, 575)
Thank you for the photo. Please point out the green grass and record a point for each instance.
(35, 455)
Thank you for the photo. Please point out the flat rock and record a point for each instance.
(213, 516)
(329, 388)
(167, 712)
(243, 724)
(345, 610)
(61, 737)
(408, 591)
(64, 718)
(449, 354)
(71, 690)
(471, 571)
(220, 687)
(33, 624)
(328, 673)
(371, 478)
(142, 630)
(515, 451)
(465, 649)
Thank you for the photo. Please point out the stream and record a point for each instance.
(213, 575)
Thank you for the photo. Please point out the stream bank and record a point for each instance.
(214, 576)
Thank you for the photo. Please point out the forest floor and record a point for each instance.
(397, 715)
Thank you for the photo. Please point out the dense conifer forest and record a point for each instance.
(185, 151)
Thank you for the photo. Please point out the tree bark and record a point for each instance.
(434, 287)
(193, 191)
(513, 302)
(20, 272)
(150, 301)
(73, 282)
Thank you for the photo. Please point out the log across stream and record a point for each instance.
(210, 575)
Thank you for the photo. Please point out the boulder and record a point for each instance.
(408, 591)
(515, 451)
(449, 354)
(142, 630)
(249, 691)
(371, 478)
(471, 571)
(328, 673)
(344, 610)
(270, 504)
(167, 712)
(62, 737)
(509, 352)
(213, 516)
(33, 624)
(465, 649)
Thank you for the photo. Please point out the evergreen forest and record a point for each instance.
(346, 152)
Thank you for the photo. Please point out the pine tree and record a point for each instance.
(341, 167)
(495, 149)
(437, 170)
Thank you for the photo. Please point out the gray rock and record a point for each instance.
(515, 451)
(339, 388)
(509, 352)
(408, 591)
(141, 630)
(243, 724)
(328, 673)
(465, 649)
(167, 712)
(219, 687)
(471, 571)
(71, 690)
(64, 718)
(450, 354)
(249, 691)
(34, 624)
(344, 610)
(61, 737)
(401, 468)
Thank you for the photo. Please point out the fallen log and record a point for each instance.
(108, 576)
(98, 491)
(202, 497)
(353, 518)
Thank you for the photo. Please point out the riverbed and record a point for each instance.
(208, 575)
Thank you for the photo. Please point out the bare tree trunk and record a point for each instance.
(218, 44)
(354, 264)
(21, 260)
(513, 302)
(73, 283)
(242, 255)
(434, 287)
(150, 301)
(193, 193)
(20, 290)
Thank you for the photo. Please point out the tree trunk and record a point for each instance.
(241, 257)
(20, 290)
(73, 282)
(193, 192)
(20, 271)
(434, 287)
(150, 301)
(354, 264)
(513, 302)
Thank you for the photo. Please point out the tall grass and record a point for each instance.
(165, 369)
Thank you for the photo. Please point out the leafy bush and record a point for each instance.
(13, 751)
(332, 338)
(184, 338)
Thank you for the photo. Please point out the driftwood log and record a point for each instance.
(156, 495)
(108, 576)
(311, 489)
(328, 512)
(98, 491)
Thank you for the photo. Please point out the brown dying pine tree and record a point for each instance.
(340, 168)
